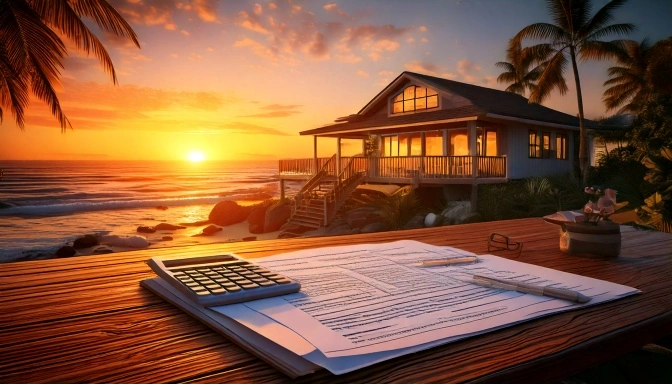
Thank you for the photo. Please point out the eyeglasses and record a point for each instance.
(499, 242)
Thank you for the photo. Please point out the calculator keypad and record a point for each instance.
(227, 277)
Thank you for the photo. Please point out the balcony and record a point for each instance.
(407, 169)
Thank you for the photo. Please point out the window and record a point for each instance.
(415, 98)
(489, 146)
(535, 145)
(459, 143)
(434, 143)
(561, 151)
(546, 145)
(409, 144)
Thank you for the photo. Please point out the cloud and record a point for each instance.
(363, 74)
(422, 28)
(205, 10)
(468, 70)
(291, 33)
(98, 106)
(161, 12)
(276, 110)
(251, 129)
(422, 67)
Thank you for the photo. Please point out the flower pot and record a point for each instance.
(602, 238)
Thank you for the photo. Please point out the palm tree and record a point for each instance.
(516, 70)
(627, 82)
(573, 34)
(32, 51)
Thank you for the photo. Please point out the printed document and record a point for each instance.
(376, 300)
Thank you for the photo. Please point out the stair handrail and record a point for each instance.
(311, 183)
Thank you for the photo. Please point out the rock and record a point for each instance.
(65, 251)
(168, 227)
(418, 221)
(126, 242)
(276, 216)
(144, 229)
(161, 207)
(256, 228)
(167, 238)
(210, 230)
(102, 251)
(228, 212)
(256, 218)
(85, 241)
(457, 212)
(374, 227)
(249, 238)
(363, 216)
(339, 229)
(290, 230)
(432, 220)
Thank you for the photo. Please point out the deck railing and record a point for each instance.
(408, 167)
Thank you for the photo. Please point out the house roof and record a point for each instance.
(482, 104)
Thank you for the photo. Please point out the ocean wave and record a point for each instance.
(63, 208)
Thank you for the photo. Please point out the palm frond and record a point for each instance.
(613, 29)
(602, 17)
(106, 17)
(62, 17)
(539, 31)
(551, 78)
(42, 87)
(598, 50)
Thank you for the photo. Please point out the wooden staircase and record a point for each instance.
(323, 194)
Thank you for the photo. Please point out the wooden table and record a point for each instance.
(86, 319)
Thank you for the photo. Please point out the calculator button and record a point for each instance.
(203, 293)
(249, 285)
(258, 279)
(212, 286)
(192, 284)
(266, 283)
(269, 275)
(237, 278)
(233, 289)
(282, 280)
(218, 291)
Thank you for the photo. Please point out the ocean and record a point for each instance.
(46, 204)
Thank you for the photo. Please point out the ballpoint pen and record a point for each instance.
(511, 285)
(449, 261)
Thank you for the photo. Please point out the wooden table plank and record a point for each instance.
(87, 319)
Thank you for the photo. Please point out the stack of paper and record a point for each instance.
(363, 304)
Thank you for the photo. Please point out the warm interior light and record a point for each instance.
(196, 156)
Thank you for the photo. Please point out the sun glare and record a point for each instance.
(196, 156)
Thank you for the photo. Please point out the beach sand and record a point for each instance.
(184, 237)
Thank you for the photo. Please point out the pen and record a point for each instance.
(451, 261)
(558, 293)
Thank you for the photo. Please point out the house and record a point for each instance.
(423, 130)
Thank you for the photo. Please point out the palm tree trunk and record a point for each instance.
(583, 135)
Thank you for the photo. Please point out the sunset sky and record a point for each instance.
(239, 79)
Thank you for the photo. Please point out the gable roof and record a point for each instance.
(483, 104)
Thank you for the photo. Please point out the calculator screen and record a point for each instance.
(198, 260)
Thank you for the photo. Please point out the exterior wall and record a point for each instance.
(520, 165)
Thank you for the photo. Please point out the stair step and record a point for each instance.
(312, 224)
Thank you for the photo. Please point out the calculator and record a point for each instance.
(222, 279)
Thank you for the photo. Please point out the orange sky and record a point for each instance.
(240, 79)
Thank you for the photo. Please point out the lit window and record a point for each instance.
(415, 99)
(535, 145)
(546, 145)
(434, 143)
(561, 146)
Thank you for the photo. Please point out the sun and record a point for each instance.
(196, 156)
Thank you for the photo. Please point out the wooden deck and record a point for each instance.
(406, 169)
(86, 319)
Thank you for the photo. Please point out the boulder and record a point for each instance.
(257, 218)
(126, 242)
(249, 238)
(167, 238)
(102, 251)
(363, 216)
(145, 229)
(65, 251)
(161, 207)
(210, 230)
(276, 216)
(418, 221)
(168, 227)
(290, 230)
(85, 241)
(228, 212)
(432, 220)
(375, 227)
